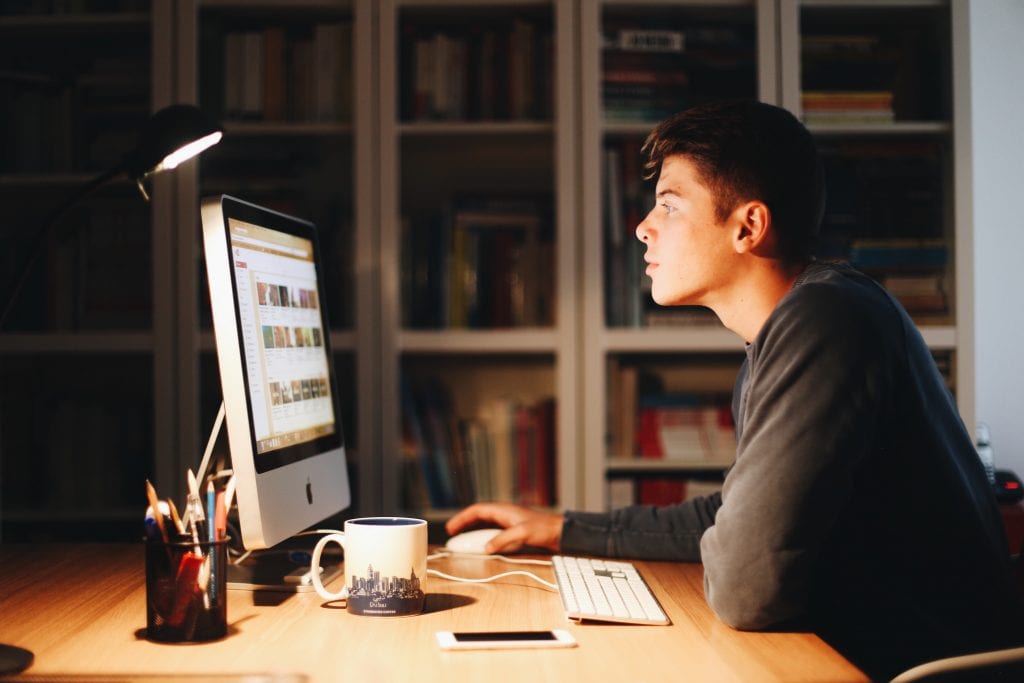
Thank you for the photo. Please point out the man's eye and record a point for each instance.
(668, 208)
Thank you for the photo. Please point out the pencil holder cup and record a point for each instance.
(186, 590)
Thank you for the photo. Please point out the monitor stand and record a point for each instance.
(274, 571)
(283, 568)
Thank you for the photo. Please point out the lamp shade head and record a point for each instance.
(169, 137)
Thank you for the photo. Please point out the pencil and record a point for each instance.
(175, 518)
(154, 503)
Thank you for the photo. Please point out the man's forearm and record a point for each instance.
(642, 531)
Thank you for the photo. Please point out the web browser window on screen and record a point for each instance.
(279, 311)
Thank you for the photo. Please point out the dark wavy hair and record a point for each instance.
(746, 150)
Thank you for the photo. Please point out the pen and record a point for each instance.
(212, 515)
(194, 509)
(211, 512)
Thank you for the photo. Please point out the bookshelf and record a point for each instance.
(874, 85)
(872, 80)
(80, 357)
(477, 228)
(654, 382)
(292, 83)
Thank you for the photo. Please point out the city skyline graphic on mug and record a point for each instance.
(388, 595)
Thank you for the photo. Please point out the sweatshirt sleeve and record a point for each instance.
(642, 532)
(813, 396)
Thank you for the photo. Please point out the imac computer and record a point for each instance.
(276, 371)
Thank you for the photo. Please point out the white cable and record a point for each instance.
(442, 575)
(449, 553)
(485, 556)
(204, 464)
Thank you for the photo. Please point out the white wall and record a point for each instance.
(996, 35)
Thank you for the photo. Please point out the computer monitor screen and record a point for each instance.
(274, 354)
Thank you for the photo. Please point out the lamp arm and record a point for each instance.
(43, 233)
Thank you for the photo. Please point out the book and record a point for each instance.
(919, 293)
(274, 70)
(898, 253)
(685, 429)
(625, 443)
(331, 42)
(621, 492)
(480, 263)
(497, 417)
(477, 71)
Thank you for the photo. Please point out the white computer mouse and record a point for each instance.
(471, 541)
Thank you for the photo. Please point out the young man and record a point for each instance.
(857, 506)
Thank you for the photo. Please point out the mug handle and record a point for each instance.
(317, 583)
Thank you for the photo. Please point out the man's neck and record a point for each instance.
(754, 295)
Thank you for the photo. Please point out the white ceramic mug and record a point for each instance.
(385, 566)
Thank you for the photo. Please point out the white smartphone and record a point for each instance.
(490, 640)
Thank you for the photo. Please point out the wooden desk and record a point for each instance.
(81, 609)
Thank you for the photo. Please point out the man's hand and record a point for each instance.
(522, 526)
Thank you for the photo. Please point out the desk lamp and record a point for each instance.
(170, 136)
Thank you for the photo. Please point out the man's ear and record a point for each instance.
(753, 232)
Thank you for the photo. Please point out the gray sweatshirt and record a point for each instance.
(857, 505)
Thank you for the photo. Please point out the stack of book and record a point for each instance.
(279, 74)
(506, 452)
(921, 294)
(644, 78)
(478, 72)
(483, 263)
(839, 107)
(685, 429)
(847, 78)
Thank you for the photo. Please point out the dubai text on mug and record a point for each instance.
(385, 566)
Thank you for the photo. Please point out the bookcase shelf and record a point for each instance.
(679, 339)
(484, 342)
(76, 343)
(465, 128)
(625, 466)
(290, 128)
(483, 172)
(76, 24)
(895, 128)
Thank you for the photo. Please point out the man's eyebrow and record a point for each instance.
(667, 191)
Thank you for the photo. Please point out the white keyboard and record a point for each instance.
(606, 590)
